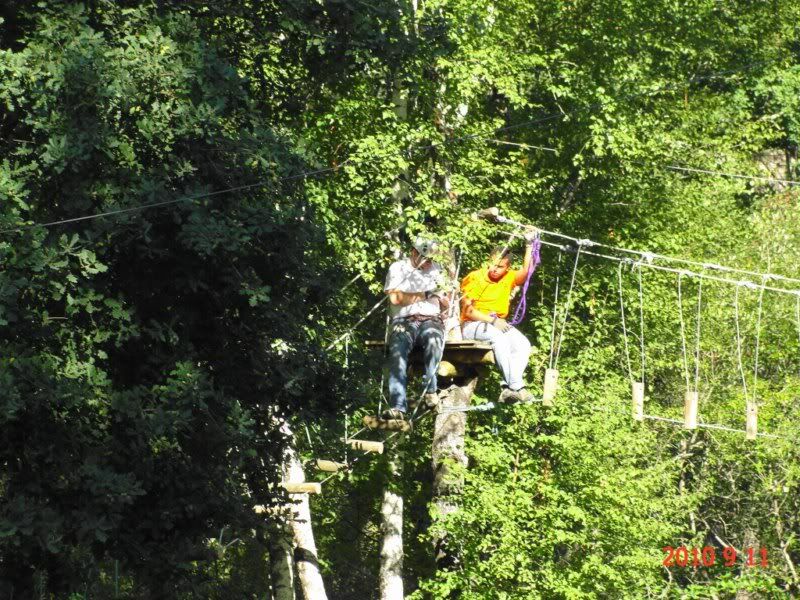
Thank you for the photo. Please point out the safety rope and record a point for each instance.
(624, 327)
(758, 341)
(555, 308)
(697, 335)
(568, 304)
(739, 341)
(683, 332)
(519, 313)
(641, 320)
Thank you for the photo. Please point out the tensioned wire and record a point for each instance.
(713, 426)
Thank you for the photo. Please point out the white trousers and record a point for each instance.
(511, 349)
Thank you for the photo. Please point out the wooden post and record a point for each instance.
(690, 411)
(366, 446)
(305, 548)
(550, 387)
(638, 400)
(279, 547)
(391, 569)
(752, 420)
(329, 466)
(448, 448)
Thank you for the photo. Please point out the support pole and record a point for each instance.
(305, 548)
(448, 449)
(391, 570)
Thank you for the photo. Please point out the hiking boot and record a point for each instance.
(431, 399)
(393, 414)
(508, 396)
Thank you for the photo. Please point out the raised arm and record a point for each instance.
(522, 274)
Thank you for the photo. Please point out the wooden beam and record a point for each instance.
(690, 410)
(329, 466)
(374, 422)
(302, 488)
(366, 446)
(550, 387)
(752, 420)
(638, 401)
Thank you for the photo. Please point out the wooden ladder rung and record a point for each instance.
(330, 466)
(366, 446)
(374, 422)
(302, 488)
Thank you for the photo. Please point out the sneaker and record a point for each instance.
(393, 414)
(508, 396)
(431, 399)
(525, 397)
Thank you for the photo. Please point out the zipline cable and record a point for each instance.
(655, 267)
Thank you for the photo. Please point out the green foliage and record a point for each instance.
(144, 355)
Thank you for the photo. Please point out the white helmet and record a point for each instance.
(425, 246)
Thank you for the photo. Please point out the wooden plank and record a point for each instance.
(449, 345)
(690, 410)
(366, 446)
(446, 369)
(302, 487)
(374, 422)
(638, 401)
(330, 466)
(752, 420)
(550, 387)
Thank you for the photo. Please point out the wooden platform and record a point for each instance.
(460, 352)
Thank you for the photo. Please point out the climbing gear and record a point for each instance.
(519, 313)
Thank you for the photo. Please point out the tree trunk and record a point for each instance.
(281, 567)
(448, 448)
(391, 573)
(305, 549)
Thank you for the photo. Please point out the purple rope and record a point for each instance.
(519, 313)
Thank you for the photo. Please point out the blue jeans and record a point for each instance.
(404, 335)
(511, 350)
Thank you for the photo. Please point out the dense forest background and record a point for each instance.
(254, 158)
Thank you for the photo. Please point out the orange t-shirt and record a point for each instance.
(489, 296)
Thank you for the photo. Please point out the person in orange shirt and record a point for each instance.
(485, 300)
